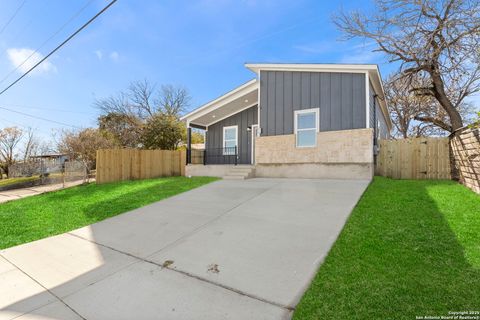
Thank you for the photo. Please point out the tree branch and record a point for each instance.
(435, 121)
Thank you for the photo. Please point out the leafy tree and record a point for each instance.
(83, 145)
(163, 131)
(433, 40)
(197, 137)
(125, 129)
(476, 122)
(143, 116)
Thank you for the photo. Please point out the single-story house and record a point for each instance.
(294, 120)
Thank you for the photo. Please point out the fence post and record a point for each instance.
(205, 157)
(189, 145)
(236, 156)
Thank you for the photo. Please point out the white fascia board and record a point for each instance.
(222, 100)
(367, 99)
(308, 67)
(376, 80)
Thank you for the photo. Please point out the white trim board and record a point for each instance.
(367, 99)
(312, 67)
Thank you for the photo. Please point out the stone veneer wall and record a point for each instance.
(333, 147)
(465, 149)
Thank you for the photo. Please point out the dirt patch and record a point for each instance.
(213, 268)
(167, 263)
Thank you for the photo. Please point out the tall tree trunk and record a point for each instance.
(439, 92)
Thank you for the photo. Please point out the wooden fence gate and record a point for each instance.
(130, 164)
(414, 158)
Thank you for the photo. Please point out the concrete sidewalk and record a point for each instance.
(227, 250)
(27, 192)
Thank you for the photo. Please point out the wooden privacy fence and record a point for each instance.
(130, 164)
(414, 158)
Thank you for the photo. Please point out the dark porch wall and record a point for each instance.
(340, 97)
(243, 120)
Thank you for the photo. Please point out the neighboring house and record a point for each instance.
(40, 164)
(295, 120)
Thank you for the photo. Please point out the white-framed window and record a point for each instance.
(230, 140)
(306, 125)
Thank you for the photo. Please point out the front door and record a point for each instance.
(254, 134)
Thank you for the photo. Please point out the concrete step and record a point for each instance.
(241, 172)
(230, 177)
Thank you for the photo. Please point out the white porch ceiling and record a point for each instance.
(248, 100)
(241, 98)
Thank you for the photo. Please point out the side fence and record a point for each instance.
(466, 152)
(130, 164)
(414, 158)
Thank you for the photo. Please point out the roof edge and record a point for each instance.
(244, 86)
(256, 67)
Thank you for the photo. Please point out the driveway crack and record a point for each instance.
(45, 288)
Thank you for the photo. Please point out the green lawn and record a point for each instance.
(56, 212)
(6, 182)
(410, 248)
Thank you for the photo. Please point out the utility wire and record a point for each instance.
(47, 109)
(59, 46)
(40, 118)
(13, 16)
(46, 41)
(17, 124)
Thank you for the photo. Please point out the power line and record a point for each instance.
(59, 46)
(40, 118)
(5, 121)
(46, 41)
(48, 109)
(13, 16)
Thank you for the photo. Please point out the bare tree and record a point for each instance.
(432, 39)
(173, 101)
(406, 106)
(31, 144)
(118, 104)
(9, 140)
(142, 100)
(140, 94)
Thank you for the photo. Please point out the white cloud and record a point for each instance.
(114, 56)
(99, 54)
(18, 57)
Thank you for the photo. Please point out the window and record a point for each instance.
(306, 127)
(230, 139)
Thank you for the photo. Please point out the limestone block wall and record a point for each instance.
(333, 147)
(465, 147)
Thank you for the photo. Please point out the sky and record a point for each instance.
(199, 44)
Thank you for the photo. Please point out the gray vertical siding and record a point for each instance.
(339, 96)
(243, 120)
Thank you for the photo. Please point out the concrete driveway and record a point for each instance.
(228, 250)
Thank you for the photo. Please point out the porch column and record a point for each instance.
(189, 145)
